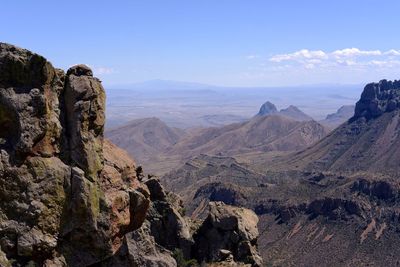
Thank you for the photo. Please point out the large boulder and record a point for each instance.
(164, 231)
(228, 229)
(84, 98)
(167, 223)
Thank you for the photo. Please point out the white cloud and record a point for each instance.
(392, 52)
(384, 63)
(354, 52)
(348, 57)
(299, 55)
(349, 65)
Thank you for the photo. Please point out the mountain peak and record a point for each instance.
(267, 109)
(378, 98)
(295, 113)
(291, 107)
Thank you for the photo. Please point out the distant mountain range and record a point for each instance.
(261, 133)
(151, 140)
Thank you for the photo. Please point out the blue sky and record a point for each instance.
(222, 42)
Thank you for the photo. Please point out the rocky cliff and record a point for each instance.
(61, 198)
(368, 142)
(67, 196)
(378, 98)
(267, 109)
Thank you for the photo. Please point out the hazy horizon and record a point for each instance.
(224, 43)
(196, 85)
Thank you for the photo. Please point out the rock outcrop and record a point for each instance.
(378, 98)
(228, 232)
(61, 199)
(267, 109)
(291, 112)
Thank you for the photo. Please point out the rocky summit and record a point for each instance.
(267, 109)
(70, 198)
(378, 98)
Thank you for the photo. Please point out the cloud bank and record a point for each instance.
(353, 57)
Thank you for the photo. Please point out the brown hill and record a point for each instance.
(160, 148)
(295, 113)
(145, 138)
(261, 133)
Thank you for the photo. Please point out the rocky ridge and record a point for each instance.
(291, 112)
(378, 98)
(67, 196)
(295, 113)
(343, 114)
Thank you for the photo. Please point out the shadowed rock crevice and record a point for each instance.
(9, 125)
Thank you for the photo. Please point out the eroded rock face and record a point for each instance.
(85, 108)
(381, 190)
(64, 198)
(163, 231)
(378, 98)
(168, 226)
(228, 228)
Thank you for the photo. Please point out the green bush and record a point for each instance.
(181, 261)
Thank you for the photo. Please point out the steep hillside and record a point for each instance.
(262, 133)
(205, 169)
(343, 114)
(367, 142)
(145, 138)
(160, 148)
(295, 113)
